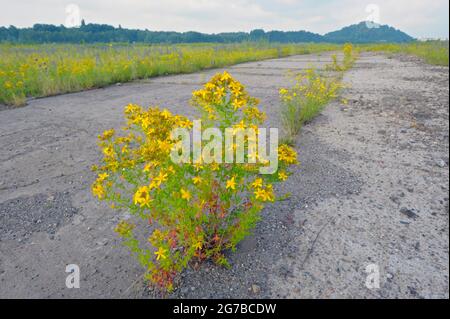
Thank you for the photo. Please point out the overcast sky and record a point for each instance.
(419, 18)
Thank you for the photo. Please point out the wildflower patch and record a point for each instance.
(305, 99)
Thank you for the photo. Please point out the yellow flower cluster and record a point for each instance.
(97, 188)
(154, 146)
(142, 197)
(310, 85)
(223, 96)
(287, 155)
(310, 93)
(265, 194)
(261, 192)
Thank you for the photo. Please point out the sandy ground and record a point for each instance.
(372, 190)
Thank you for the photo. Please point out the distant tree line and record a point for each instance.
(94, 33)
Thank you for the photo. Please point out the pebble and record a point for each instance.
(410, 213)
(440, 163)
(256, 289)
(103, 242)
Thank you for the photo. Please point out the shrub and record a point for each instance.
(191, 210)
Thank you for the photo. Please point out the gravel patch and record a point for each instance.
(21, 217)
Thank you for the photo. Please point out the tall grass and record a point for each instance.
(48, 69)
(432, 52)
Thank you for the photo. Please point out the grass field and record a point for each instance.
(44, 70)
(49, 69)
(432, 52)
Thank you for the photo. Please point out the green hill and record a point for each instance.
(362, 33)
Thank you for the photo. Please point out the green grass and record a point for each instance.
(432, 52)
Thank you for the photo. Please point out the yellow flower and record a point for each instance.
(98, 190)
(220, 93)
(161, 178)
(109, 151)
(197, 180)
(210, 86)
(156, 236)
(265, 195)
(225, 77)
(231, 184)
(260, 194)
(102, 177)
(198, 245)
(287, 155)
(107, 135)
(238, 103)
(149, 166)
(258, 183)
(283, 91)
(165, 146)
(166, 114)
(269, 193)
(171, 170)
(236, 90)
(161, 253)
(240, 126)
(142, 196)
(282, 176)
(185, 194)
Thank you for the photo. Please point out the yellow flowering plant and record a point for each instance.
(305, 99)
(349, 56)
(191, 210)
(348, 60)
